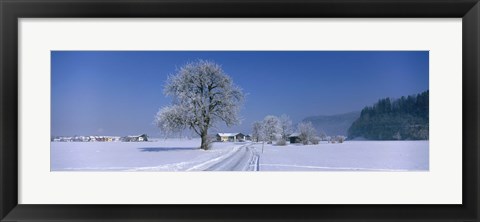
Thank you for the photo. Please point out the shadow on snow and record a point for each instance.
(162, 149)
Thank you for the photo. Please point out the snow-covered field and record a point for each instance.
(160, 155)
(347, 156)
(182, 155)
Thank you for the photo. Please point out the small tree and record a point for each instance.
(203, 95)
(257, 131)
(323, 136)
(340, 139)
(397, 136)
(285, 126)
(307, 132)
(271, 127)
(315, 140)
(281, 142)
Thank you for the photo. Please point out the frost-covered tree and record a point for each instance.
(203, 95)
(340, 139)
(170, 120)
(285, 126)
(257, 131)
(271, 127)
(323, 136)
(397, 136)
(307, 132)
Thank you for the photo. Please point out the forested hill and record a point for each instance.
(400, 119)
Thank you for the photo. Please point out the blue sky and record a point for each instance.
(119, 92)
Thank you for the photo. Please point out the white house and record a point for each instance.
(138, 138)
(230, 137)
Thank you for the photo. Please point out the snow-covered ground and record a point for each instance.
(160, 155)
(347, 156)
(183, 155)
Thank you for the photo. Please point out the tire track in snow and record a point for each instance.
(244, 158)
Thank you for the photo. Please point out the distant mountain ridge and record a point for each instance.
(333, 125)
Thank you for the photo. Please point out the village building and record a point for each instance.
(294, 138)
(138, 138)
(230, 137)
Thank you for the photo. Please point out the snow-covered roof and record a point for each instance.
(227, 134)
(294, 135)
(135, 135)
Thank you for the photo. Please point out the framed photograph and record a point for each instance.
(226, 110)
(254, 119)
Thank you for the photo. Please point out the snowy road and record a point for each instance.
(245, 158)
(235, 158)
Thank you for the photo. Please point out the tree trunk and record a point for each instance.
(205, 143)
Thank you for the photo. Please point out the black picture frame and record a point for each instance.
(12, 10)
